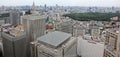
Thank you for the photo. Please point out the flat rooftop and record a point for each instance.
(14, 31)
(33, 17)
(54, 39)
(115, 30)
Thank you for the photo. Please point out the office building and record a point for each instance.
(66, 27)
(14, 42)
(79, 31)
(15, 17)
(94, 31)
(112, 43)
(89, 48)
(2, 22)
(5, 16)
(54, 44)
(33, 10)
(12, 17)
(34, 26)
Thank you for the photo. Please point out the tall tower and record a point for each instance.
(15, 17)
(14, 46)
(33, 10)
(33, 7)
(34, 27)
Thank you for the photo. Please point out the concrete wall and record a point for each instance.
(86, 49)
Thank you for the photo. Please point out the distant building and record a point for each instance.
(2, 22)
(112, 43)
(66, 27)
(33, 9)
(79, 31)
(14, 43)
(54, 44)
(12, 17)
(15, 17)
(94, 31)
(5, 16)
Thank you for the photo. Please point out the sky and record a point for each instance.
(100, 3)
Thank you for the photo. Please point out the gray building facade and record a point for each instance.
(55, 44)
(66, 27)
(12, 17)
(34, 26)
(14, 46)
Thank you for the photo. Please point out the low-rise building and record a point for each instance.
(66, 27)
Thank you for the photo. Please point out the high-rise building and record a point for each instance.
(33, 7)
(15, 17)
(55, 44)
(34, 26)
(112, 43)
(2, 22)
(14, 43)
(33, 10)
(12, 17)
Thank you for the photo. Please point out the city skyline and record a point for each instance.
(86, 3)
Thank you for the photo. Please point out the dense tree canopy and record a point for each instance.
(92, 16)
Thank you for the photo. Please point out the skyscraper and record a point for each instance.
(12, 17)
(15, 17)
(34, 27)
(33, 7)
(14, 43)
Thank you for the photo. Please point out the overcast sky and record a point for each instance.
(103, 3)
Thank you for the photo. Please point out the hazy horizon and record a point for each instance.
(84, 3)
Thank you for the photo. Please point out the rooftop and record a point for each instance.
(33, 17)
(115, 30)
(92, 38)
(2, 15)
(14, 31)
(66, 24)
(54, 39)
(94, 27)
(80, 27)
